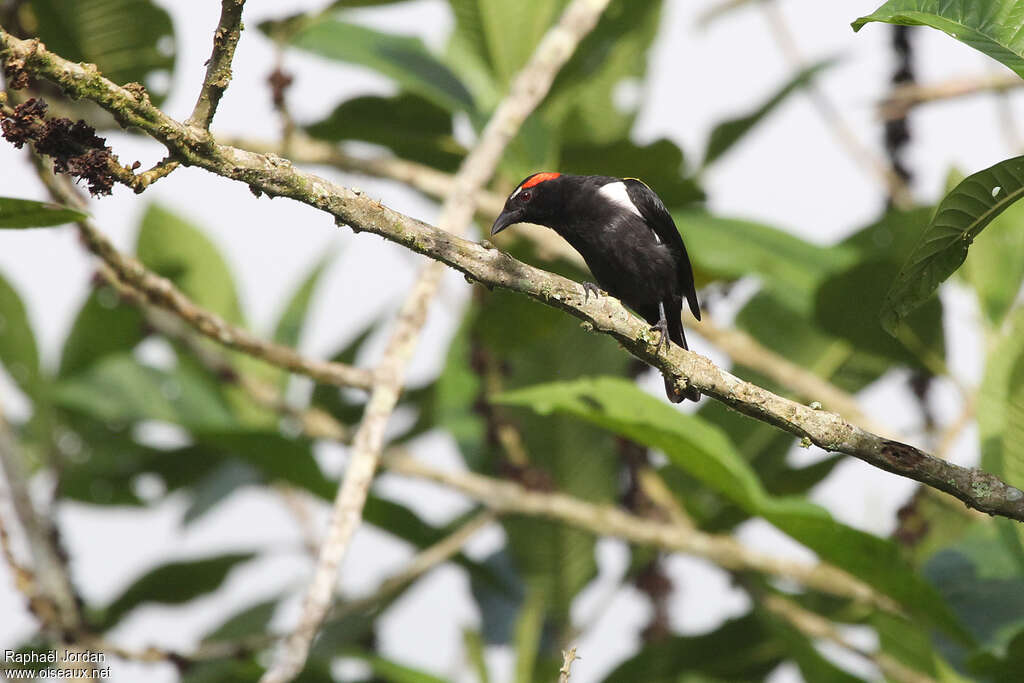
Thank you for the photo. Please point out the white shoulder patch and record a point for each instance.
(616, 193)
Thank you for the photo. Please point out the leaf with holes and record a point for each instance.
(964, 213)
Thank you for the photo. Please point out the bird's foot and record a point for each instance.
(590, 288)
(661, 327)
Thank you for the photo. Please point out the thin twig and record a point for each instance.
(527, 90)
(481, 262)
(815, 626)
(901, 100)
(218, 67)
(568, 657)
(607, 520)
(51, 578)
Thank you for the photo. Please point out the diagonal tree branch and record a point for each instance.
(507, 497)
(218, 66)
(481, 262)
(740, 346)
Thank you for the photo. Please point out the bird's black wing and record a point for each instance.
(657, 216)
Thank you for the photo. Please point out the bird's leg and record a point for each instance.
(588, 288)
(662, 327)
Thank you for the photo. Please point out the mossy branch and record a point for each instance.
(272, 175)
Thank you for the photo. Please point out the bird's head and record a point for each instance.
(536, 200)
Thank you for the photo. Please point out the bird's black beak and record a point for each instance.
(507, 218)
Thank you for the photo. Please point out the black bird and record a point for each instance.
(628, 239)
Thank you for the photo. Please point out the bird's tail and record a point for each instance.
(676, 334)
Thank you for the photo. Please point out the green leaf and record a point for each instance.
(726, 134)
(250, 621)
(995, 264)
(728, 249)
(706, 453)
(119, 389)
(178, 250)
(392, 671)
(473, 643)
(964, 213)
(999, 411)
(18, 353)
(411, 126)
(847, 305)
(529, 627)
(497, 37)
(289, 326)
(174, 583)
(993, 27)
(26, 213)
(104, 326)
(583, 101)
(129, 40)
(402, 58)
(739, 650)
(984, 585)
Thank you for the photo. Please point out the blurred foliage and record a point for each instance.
(525, 393)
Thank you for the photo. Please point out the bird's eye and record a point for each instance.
(525, 196)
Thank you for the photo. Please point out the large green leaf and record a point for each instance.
(497, 37)
(583, 101)
(389, 670)
(18, 353)
(739, 650)
(411, 126)
(964, 213)
(403, 58)
(119, 389)
(525, 345)
(729, 249)
(995, 264)
(993, 27)
(104, 326)
(27, 213)
(289, 326)
(727, 133)
(999, 412)
(984, 585)
(174, 583)
(129, 40)
(706, 453)
(178, 250)
(847, 305)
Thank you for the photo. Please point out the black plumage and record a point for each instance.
(626, 236)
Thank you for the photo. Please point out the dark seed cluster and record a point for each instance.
(74, 147)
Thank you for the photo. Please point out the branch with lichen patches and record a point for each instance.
(73, 148)
(275, 176)
(218, 66)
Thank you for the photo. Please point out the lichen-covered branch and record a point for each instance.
(507, 497)
(902, 99)
(481, 262)
(218, 67)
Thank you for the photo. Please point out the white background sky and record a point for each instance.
(790, 173)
